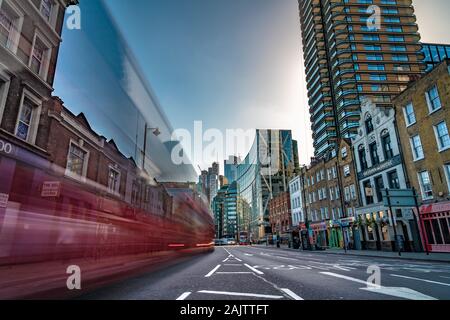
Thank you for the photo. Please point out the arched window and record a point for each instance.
(362, 157)
(368, 123)
(387, 145)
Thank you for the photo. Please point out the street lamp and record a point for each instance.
(156, 132)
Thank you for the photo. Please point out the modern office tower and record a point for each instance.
(434, 54)
(264, 174)
(230, 168)
(349, 52)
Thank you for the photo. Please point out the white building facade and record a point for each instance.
(379, 166)
(295, 192)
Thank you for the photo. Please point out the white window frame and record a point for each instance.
(447, 176)
(119, 174)
(406, 115)
(53, 13)
(347, 171)
(43, 72)
(411, 141)
(85, 164)
(424, 197)
(436, 133)
(35, 116)
(14, 37)
(4, 90)
(427, 96)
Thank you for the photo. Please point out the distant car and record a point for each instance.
(220, 242)
(231, 242)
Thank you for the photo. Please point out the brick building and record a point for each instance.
(280, 217)
(423, 120)
(30, 35)
(81, 155)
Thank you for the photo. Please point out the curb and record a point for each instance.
(363, 255)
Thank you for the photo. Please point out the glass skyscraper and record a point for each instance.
(264, 174)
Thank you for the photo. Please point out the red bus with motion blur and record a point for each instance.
(49, 221)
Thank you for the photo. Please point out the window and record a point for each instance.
(46, 9)
(433, 100)
(379, 186)
(344, 152)
(10, 26)
(28, 117)
(394, 182)
(24, 123)
(442, 136)
(387, 147)
(368, 192)
(353, 192)
(369, 124)
(425, 185)
(4, 88)
(374, 153)
(362, 158)
(113, 180)
(37, 57)
(347, 170)
(6, 26)
(347, 194)
(417, 149)
(410, 116)
(447, 175)
(77, 160)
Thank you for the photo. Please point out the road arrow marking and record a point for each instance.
(399, 292)
(418, 279)
(405, 293)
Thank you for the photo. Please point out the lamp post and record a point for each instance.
(156, 133)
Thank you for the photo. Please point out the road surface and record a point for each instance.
(259, 273)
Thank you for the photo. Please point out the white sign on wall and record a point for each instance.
(4, 200)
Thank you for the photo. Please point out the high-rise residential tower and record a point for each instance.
(355, 48)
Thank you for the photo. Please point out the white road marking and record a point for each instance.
(212, 271)
(232, 264)
(404, 293)
(291, 294)
(445, 277)
(232, 257)
(241, 294)
(184, 296)
(231, 272)
(336, 275)
(418, 279)
(248, 254)
(398, 292)
(253, 269)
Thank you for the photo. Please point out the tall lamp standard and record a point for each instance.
(156, 133)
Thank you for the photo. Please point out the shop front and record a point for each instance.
(435, 226)
(376, 229)
(319, 235)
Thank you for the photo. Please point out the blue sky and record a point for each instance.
(230, 63)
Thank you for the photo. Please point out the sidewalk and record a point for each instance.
(419, 256)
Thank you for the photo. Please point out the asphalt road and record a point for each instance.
(235, 273)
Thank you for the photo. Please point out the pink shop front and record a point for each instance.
(435, 226)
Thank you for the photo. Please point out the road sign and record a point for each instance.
(399, 198)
